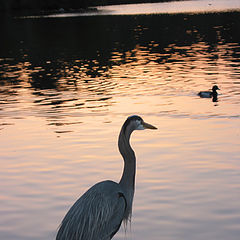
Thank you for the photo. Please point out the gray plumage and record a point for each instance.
(99, 212)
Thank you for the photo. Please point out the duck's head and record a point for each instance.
(215, 88)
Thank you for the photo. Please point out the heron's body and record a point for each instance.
(102, 200)
(99, 212)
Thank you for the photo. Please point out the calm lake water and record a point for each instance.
(67, 84)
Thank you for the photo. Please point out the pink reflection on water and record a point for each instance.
(57, 142)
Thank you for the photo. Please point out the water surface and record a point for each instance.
(67, 85)
(172, 7)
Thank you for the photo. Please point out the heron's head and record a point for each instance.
(136, 123)
(215, 87)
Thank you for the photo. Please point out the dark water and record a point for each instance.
(66, 86)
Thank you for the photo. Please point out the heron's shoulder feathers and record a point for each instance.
(102, 204)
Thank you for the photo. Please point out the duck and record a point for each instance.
(209, 94)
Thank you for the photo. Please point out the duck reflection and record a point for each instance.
(215, 98)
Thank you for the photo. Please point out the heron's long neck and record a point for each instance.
(127, 181)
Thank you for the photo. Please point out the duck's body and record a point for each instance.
(209, 94)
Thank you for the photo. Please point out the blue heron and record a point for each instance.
(99, 212)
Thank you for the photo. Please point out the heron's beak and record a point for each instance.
(149, 126)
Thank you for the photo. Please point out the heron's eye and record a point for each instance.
(139, 122)
(139, 125)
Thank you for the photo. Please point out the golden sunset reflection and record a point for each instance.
(61, 111)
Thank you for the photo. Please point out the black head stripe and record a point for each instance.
(129, 119)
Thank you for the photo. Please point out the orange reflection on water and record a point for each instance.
(60, 125)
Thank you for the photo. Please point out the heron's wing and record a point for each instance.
(96, 215)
